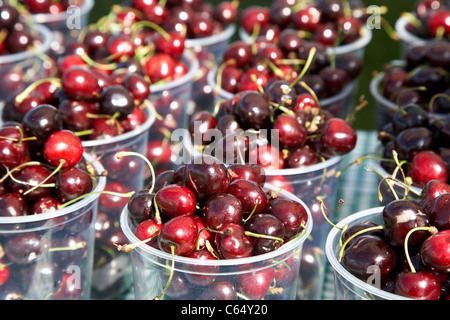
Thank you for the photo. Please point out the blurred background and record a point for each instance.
(381, 49)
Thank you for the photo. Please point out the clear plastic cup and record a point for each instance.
(397, 185)
(50, 255)
(151, 267)
(112, 273)
(407, 39)
(65, 25)
(357, 47)
(310, 184)
(172, 103)
(27, 65)
(347, 286)
(339, 105)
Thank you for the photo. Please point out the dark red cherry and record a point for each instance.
(432, 190)
(366, 251)
(24, 248)
(137, 85)
(251, 195)
(439, 20)
(202, 275)
(301, 156)
(12, 151)
(438, 211)
(44, 205)
(206, 176)
(72, 183)
(254, 15)
(427, 165)
(220, 290)
(307, 19)
(255, 285)
(253, 111)
(112, 202)
(200, 125)
(251, 172)
(147, 229)
(335, 79)
(291, 132)
(42, 121)
(291, 213)
(269, 225)
(172, 45)
(141, 206)
(179, 233)
(159, 67)
(13, 205)
(175, 200)
(338, 137)
(421, 285)
(240, 52)
(80, 83)
(435, 251)
(74, 114)
(116, 99)
(221, 209)
(400, 216)
(232, 242)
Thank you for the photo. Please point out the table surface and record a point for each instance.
(356, 186)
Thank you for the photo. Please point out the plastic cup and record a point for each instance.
(309, 184)
(172, 102)
(56, 261)
(407, 39)
(397, 185)
(339, 105)
(65, 25)
(112, 271)
(357, 47)
(347, 286)
(27, 63)
(151, 267)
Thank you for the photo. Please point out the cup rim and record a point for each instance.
(194, 66)
(289, 246)
(127, 135)
(43, 18)
(405, 35)
(361, 42)
(47, 37)
(226, 34)
(338, 268)
(187, 145)
(101, 182)
(210, 78)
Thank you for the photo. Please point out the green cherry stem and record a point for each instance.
(125, 195)
(431, 229)
(62, 162)
(24, 94)
(172, 270)
(309, 61)
(121, 154)
(342, 249)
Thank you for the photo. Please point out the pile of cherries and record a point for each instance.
(422, 78)
(429, 20)
(421, 145)
(49, 6)
(43, 170)
(411, 247)
(328, 22)
(206, 210)
(246, 66)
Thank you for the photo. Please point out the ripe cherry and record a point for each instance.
(175, 200)
(338, 137)
(252, 197)
(422, 285)
(222, 208)
(63, 145)
(256, 284)
(178, 234)
(427, 165)
(232, 242)
(435, 251)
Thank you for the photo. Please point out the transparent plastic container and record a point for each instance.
(339, 105)
(347, 286)
(172, 102)
(27, 64)
(407, 39)
(50, 255)
(151, 267)
(65, 25)
(309, 184)
(357, 47)
(112, 273)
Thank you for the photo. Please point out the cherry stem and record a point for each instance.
(341, 251)
(433, 99)
(154, 26)
(306, 67)
(431, 229)
(125, 195)
(251, 213)
(172, 270)
(98, 65)
(129, 247)
(264, 236)
(9, 172)
(362, 103)
(157, 213)
(401, 108)
(77, 246)
(323, 208)
(62, 162)
(120, 155)
(358, 162)
(24, 94)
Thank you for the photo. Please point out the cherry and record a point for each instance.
(268, 157)
(409, 116)
(435, 251)
(265, 224)
(438, 211)
(412, 140)
(291, 213)
(338, 137)
(222, 208)
(175, 200)
(178, 234)
(200, 124)
(301, 156)
(432, 190)
(111, 201)
(401, 216)
(44, 205)
(239, 52)
(256, 284)
(220, 290)
(427, 165)
(63, 145)
(369, 250)
(13, 151)
(25, 248)
(159, 67)
(80, 83)
(422, 285)
(232, 242)
(254, 15)
(252, 197)
(335, 79)
(439, 19)
(13, 204)
(206, 176)
(291, 132)
(147, 229)
(140, 206)
(202, 275)
(72, 183)
(42, 121)
(251, 172)
(116, 99)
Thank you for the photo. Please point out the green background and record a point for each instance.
(381, 49)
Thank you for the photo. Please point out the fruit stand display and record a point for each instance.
(224, 150)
